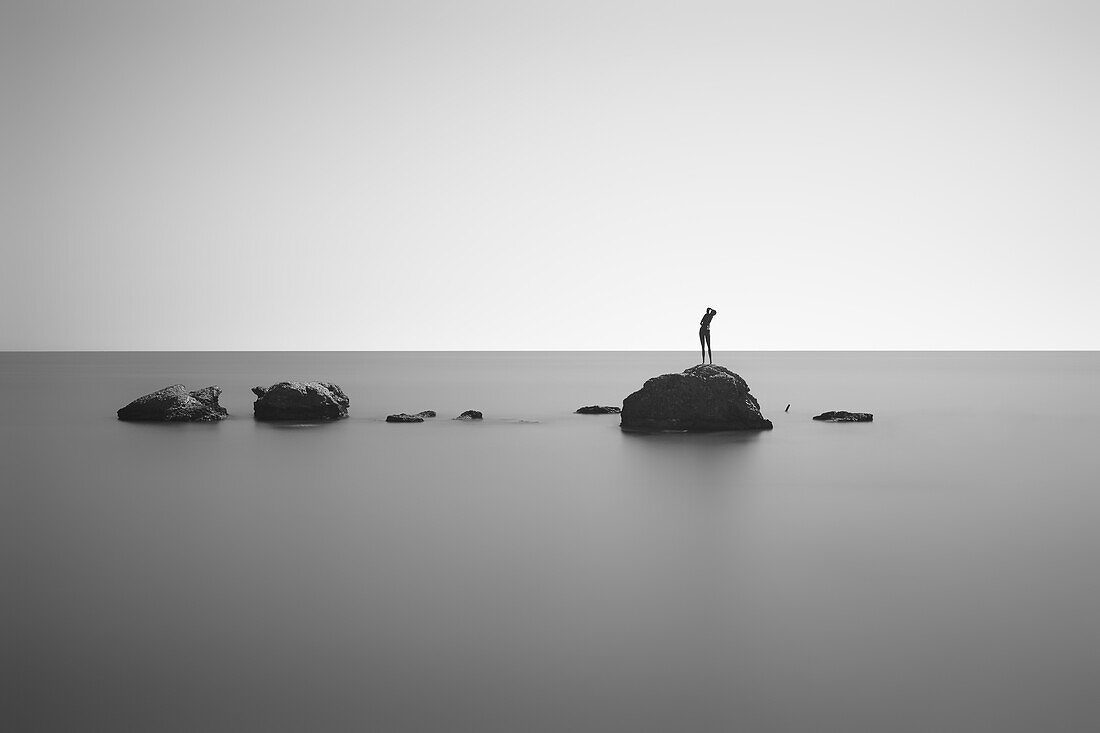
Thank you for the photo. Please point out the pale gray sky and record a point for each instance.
(549, 175)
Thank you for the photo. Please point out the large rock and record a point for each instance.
(176, 404)
(845, 416)
(300, 401)
(704, 397)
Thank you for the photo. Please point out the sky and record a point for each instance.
(549, 175)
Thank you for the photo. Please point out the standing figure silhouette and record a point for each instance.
(704, 334)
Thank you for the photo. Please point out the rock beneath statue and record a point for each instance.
(598, 410)
(300, 401)
(844, 416)
(176, 404)
(404, 417)
(705, 397)
(470, 415)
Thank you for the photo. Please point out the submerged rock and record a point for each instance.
(598, 410)
(844, 416)
(470, 415)
(176, 404)
(703, 397)
(404, 417)
(300, 401)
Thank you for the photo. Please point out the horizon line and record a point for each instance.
(538, 351)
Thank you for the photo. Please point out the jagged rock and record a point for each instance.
(300, 401)
(208, 395)
(426, 413)
(403, 417)
(844, 416)
(176, 404)
(598, 410)
(470, 415)
(703, 397)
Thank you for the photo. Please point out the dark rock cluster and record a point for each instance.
(300, 401)
(176, 404)
(844, 416)
(404, 417)
(598, 410)
(702, 398)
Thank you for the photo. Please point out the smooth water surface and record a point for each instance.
(934, 570)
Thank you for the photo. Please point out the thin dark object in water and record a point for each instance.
(788, 408)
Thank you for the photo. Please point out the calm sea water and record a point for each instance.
(935, 570)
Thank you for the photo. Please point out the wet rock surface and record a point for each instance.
(598, 410)
(705, 397)
(404, 417)
(845, 416)
(176, 404)
(300, 401)
(470, 415)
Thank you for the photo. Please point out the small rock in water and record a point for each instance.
(844, 416)
(470, 415)
(598, 410)
(403, 417)
(176, 404)
(426, 413)
(300, 401)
